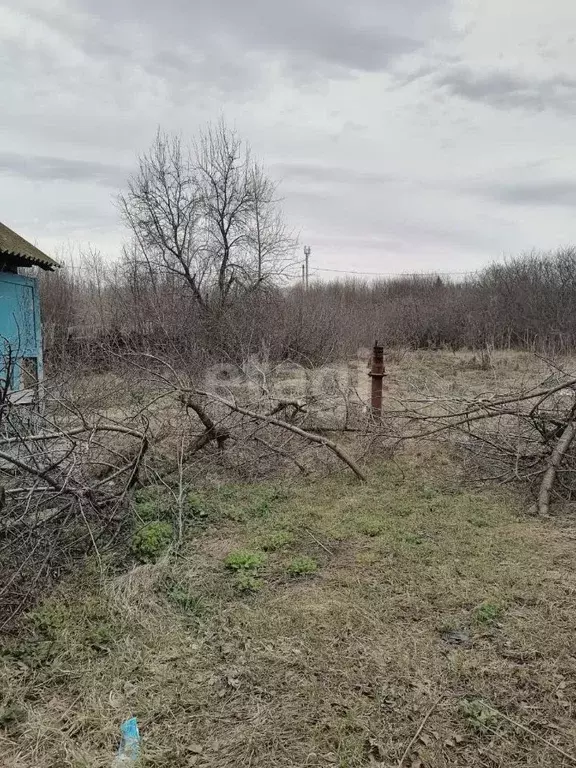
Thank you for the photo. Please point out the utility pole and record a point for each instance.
(303, 276)
(307, 252)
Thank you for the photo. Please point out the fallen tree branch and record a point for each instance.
(87, 428)
(537, 736)
(324, 547)
(36, 472)
(324, 441)
(212, 431)
(558, 454)
(416, 736)
(544, 393)
(296, 406)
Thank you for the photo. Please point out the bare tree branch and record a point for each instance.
(324, 441)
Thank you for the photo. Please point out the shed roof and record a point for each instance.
(20, 252)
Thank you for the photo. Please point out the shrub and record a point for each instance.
(151, 541)
(276, 540)
(242, 560)
(302, 565)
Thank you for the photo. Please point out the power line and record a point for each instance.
(395, 274)
(83, 268)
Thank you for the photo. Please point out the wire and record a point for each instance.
(394, 274)
(414, 273)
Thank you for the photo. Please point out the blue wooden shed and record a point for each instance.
(20, 327)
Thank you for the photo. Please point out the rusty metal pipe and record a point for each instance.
(377, 373)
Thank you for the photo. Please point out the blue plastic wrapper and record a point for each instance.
(129, 750)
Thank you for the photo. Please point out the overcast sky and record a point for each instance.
(406, 134)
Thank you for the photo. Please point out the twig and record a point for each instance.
(324, 547)
(334, 447)
(418, 732)
(518, 398)
(282, 452)
(298, 406)
(179, 497)
(536, 735)
(39, 489)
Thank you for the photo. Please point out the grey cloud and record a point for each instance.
(199, 57)
(312, 173)
(417, 239)
(40, 168)
(541, 193)
(110, 71)
(225, 70)
(504, 90)
(372, 210)
(360, 34)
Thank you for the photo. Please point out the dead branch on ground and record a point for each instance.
(527, 436)
(310, 436)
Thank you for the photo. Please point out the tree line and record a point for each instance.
(527, 303)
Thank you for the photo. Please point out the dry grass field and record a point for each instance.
(415, 621)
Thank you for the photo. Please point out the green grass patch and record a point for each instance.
(246, 566)
(247, 502)
(488, 612)
(243, 560)
(479, 715)
(302, 566)
(247, 581)
(371, 526)
(152, 503)
(184, 597)
(151, 541)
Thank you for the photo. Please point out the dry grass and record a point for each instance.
(423, 590)
(469, 372)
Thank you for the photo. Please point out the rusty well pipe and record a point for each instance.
(377, 373)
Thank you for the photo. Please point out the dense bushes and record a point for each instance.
(526, 303)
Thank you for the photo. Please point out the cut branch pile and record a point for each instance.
(63, 494)
(527, 436)
(66, 485)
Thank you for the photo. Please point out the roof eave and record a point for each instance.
(20, 260)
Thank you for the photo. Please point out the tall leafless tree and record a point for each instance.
(162, 208)
(207, 214)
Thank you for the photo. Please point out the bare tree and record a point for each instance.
(97, 281)
(246, 239)
(207, 214)
(162, 208)
(60, 298)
